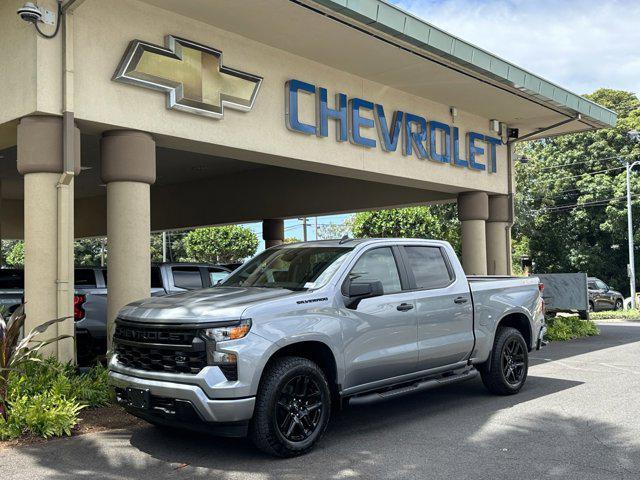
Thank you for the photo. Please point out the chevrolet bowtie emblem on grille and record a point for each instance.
(192, 75)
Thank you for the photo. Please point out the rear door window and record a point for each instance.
(429, 267)
(188, 278)
(84, 277)
(11, 278)
(156, 278)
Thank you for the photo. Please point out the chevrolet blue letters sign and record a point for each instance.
(431, 140)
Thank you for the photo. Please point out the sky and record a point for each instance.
(581, 45)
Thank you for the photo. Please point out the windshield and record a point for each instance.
(294, 268)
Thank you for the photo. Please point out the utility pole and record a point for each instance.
(634, 136)
(164, 246)
(316, 225)
(304, 229)
(632, 267)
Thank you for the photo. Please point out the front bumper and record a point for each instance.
(208, 410)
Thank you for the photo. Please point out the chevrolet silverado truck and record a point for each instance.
(304, 329)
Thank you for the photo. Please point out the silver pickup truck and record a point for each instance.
(303, 329)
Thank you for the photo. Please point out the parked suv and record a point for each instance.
(601, 297)
(302, 329)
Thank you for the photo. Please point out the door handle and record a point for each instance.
(460, 300)
(404, 307)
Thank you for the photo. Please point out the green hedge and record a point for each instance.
(616, 314)
(45, 398)
(568, 328)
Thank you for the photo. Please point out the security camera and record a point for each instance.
(30, 12)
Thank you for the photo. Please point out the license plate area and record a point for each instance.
(138, 398)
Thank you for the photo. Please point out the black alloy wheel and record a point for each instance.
(505, 372)
(513, 361)
(299, 408)
(292, 409)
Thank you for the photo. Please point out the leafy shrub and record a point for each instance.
(567, 328)
(46, 415)
(45, 397)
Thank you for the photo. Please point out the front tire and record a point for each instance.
(292, 409)
(507, 370)
(618, 305)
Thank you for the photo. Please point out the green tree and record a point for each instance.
(331, 231)
(438, 222)
(88, 251)
(228, 244)
(15, 257)
(570, 203)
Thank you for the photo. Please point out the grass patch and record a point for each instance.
(46, 397)
(568, 328)
(616, 314)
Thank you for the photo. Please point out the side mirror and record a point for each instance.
(361, 290)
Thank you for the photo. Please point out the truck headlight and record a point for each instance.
(229, 332)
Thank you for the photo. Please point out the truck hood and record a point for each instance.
(201, 306)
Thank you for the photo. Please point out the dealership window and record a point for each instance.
(429, 267)
(188, 278)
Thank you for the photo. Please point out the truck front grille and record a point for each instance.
(159, 349)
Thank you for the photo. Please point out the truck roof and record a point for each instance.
(346, 242)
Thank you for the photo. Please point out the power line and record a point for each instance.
(588, 161)
(594, 203)
(552, 180)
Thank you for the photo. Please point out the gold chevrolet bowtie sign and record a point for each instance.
(192, 75)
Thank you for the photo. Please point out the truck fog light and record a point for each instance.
(223, 358)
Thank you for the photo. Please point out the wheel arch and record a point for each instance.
(520, 322)
(318, 352)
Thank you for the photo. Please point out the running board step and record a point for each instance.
(420, 386)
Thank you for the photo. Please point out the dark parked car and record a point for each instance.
(601, 297)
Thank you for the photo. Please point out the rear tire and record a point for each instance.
(506, 371)
(292, 409)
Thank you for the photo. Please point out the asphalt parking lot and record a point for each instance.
(577, 418)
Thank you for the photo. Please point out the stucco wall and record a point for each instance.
(104, 29)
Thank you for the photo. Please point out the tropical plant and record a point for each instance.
(15, 350)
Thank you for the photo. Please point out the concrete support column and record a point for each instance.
(498, 235)
(273, 232)
(48, 229)
(473, 212)
(128, 168)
